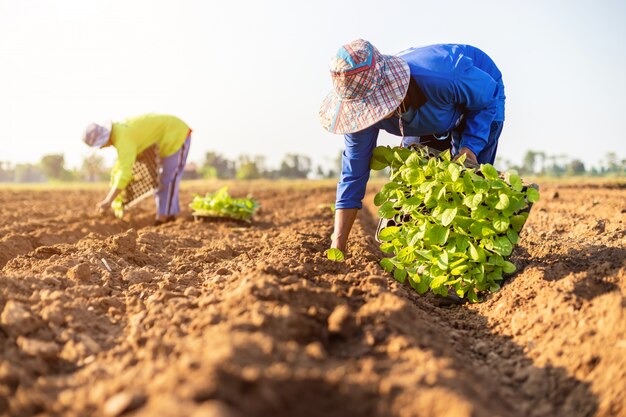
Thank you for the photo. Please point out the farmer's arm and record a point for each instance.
(106, 203)
(476, 91)
(121, 173)
(355, 171)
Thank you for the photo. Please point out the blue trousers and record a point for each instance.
(172, 171)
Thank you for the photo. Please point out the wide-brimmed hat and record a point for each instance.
(368, 86)
(97, 134)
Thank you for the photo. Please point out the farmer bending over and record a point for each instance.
(442, 96)
(133, 136)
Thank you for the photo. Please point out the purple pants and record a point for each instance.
(172, 171)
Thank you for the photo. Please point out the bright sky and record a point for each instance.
(249, 76)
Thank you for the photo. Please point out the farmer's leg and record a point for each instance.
(167, 195)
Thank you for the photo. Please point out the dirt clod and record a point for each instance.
(40, 348)
(341, 321)
(80, 272)
(16, 318)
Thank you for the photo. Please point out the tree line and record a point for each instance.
(543, 164)
(215, 165)
(53, 168)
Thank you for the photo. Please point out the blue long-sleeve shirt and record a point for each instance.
(457, 80)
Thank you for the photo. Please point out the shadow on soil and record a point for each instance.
(599, 262)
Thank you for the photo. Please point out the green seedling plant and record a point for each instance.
(335, 254)
(221, 204)
(118, 207)
(455, 226)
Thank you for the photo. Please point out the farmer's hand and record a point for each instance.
(105, 204)
(469, 155)
(102, 206)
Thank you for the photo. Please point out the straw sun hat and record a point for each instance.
(97, 134)
(367, 87)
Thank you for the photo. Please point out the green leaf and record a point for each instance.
(480, 213)
(400, 275)
(477, 253)
(387, 211)
(389, 233)
(438, 235)
(489, 171)
(481, 186)
(386, 264)
(406, 254)
(414, 161)
(413, 176)
(335, 254)
(473, 200)
(442, 193)
(516, 204)
(400, 155)
(532, 195)
(503, 202)
(442, 261)
(518, 220)
(438, 281)
(426, 186)
(482, 228)
(380, 198)
(419, 283)
(381, 158)
(508, 267)
(500, 223)
(118, 207)
(462, 244)
(448, 216)
(513, 236)
(425, 254)
(387, 247)
(415, 236)
(502, 246)
(389, 187)
(472, 296)
(455, 171)
(459, 269)
(498, 185)
(515, 181)
(411, 204)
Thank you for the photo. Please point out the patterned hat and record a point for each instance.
(368, 86)
(97, 134)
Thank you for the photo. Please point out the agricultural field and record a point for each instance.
(233, 319)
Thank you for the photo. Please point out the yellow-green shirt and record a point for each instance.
(133, 136)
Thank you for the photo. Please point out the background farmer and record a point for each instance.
(130, 138)
(443, 96)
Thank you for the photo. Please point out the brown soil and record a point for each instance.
(227, 319)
